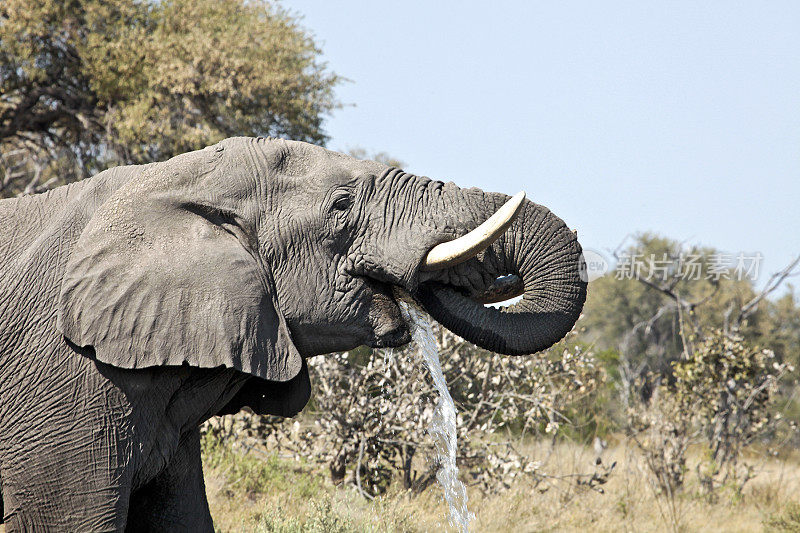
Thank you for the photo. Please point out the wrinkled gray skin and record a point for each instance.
(138, 303)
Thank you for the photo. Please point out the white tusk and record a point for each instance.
(468, 246)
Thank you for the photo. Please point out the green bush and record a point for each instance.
(257, 474)
(785, 521)
(323, 519)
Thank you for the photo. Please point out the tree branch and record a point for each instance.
(774, 282)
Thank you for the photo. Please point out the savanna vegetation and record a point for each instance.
(672, 406)
(598, 432)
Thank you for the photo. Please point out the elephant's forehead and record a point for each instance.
(305, 158)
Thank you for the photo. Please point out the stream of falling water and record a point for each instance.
(443, 425)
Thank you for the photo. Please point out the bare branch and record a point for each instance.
(358, 471)
(774, 282)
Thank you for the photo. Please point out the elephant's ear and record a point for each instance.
(161, 277)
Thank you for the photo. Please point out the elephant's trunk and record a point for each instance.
(543, 259)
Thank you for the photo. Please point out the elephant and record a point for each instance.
(144, 300)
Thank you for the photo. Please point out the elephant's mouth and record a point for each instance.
(398, 336)
(501, 289)
(389, 329)
(393, 333)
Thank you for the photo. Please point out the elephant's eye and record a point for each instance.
(342, 203)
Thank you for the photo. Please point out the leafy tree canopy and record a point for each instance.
(85, 84)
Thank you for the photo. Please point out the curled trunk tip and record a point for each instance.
(538, 254)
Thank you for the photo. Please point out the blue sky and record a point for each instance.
(681, 118)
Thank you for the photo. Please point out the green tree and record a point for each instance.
(85, 84)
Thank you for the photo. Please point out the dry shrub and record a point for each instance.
(722, 397)
(369, 417)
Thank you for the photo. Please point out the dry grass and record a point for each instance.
(258, 492)
(296, 498)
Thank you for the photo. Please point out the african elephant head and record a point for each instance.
(257, 253)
